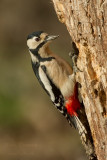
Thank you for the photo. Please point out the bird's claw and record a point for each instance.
(74, 62)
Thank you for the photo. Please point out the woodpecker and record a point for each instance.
(56, 76)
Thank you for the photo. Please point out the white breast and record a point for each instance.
(68, 87)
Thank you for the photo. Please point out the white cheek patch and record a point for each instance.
(46, 83)
(32, 44)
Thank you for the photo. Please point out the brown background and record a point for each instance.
(30, 126)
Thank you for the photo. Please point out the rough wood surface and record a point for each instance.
(86, 21)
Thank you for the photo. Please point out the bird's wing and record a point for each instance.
(46, 82)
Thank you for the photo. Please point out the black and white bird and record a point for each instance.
(56, 76)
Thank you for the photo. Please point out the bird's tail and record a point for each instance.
(74, 120)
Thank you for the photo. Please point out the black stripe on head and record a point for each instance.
(36, 34)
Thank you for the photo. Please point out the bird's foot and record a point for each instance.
(74, 62)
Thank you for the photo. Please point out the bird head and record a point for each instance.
(39, 39)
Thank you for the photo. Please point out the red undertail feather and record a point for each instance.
(73, 104)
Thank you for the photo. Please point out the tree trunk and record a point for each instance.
(86, 21)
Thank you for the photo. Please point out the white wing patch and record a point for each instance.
(57, 104)
(46, 83)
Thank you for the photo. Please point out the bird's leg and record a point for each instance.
(74, 55)
(74, 62)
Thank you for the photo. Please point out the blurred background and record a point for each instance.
(30, 126)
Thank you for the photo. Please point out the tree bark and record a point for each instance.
(86, 21)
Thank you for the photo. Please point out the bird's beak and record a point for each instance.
(51, 37)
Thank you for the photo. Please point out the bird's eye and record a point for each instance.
(37, 39)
